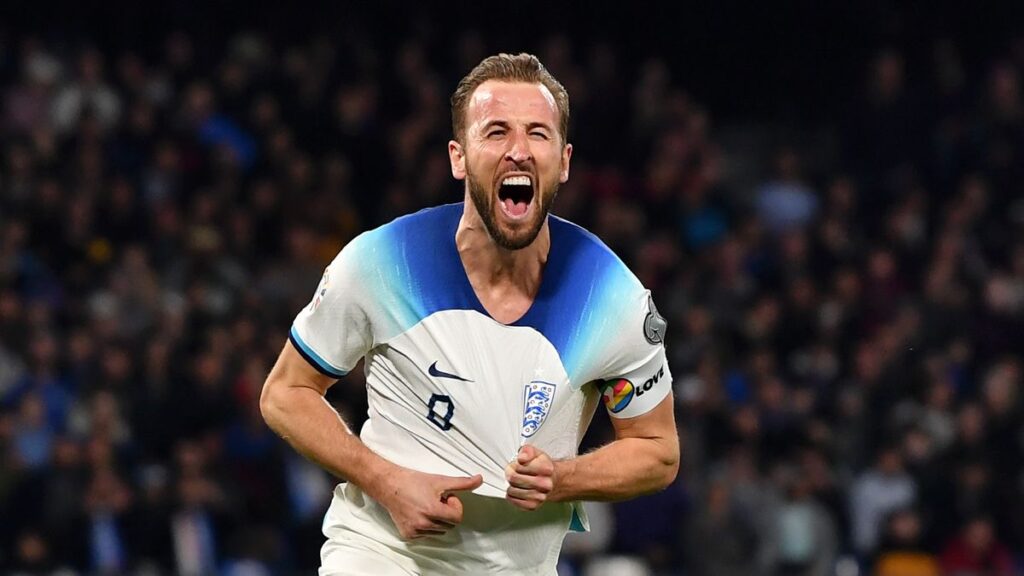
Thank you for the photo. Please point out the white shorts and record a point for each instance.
(342, 559)
(494, 538)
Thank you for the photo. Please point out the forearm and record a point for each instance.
(620, 470)
(313, 428)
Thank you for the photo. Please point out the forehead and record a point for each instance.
(494, 100)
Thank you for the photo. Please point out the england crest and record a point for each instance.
(537, 399)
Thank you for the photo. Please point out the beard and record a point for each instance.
(510, 239)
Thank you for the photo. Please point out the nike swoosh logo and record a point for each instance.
(433, 371)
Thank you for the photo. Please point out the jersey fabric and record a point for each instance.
(452, 391)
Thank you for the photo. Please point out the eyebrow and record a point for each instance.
(504, 124)
(495, 123)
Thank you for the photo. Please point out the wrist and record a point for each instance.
(562, 480)
(378, 477)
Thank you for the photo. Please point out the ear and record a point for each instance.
(457, 157)
(563, 175)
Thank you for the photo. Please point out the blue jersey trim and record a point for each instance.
(312, 357)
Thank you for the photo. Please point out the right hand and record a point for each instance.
(423, 504)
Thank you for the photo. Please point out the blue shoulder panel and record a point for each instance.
(413, 267)
(579, 302)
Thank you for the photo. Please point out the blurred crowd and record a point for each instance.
(845, 325)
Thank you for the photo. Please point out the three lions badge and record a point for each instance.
(537, 399)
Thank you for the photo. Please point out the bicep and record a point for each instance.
(659, 423)
(292, 370)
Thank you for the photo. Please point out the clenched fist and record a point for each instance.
(531, 477)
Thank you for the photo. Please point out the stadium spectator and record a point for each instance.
(162, 201)
(902, 551)
(977, 550)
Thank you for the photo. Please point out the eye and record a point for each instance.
(495, 133)
(539, 134)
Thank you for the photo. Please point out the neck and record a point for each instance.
(489, 266)
(505, 281)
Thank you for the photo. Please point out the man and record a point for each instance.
(490, 331)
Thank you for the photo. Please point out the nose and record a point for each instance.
(519, 148)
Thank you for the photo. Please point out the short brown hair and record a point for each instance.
(520, 67)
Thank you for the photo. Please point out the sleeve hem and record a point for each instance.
(312, 357)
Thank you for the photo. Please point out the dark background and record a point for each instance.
(824, 198)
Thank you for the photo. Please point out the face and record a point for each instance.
(512, 158)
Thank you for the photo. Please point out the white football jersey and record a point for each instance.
(452, 391)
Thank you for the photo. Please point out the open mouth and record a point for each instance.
(515, 193)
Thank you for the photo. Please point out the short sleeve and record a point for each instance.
(333, 332)
(638, 378)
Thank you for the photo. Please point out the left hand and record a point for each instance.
(531, 477)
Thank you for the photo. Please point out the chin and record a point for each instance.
(517, 237)
(506, 230)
